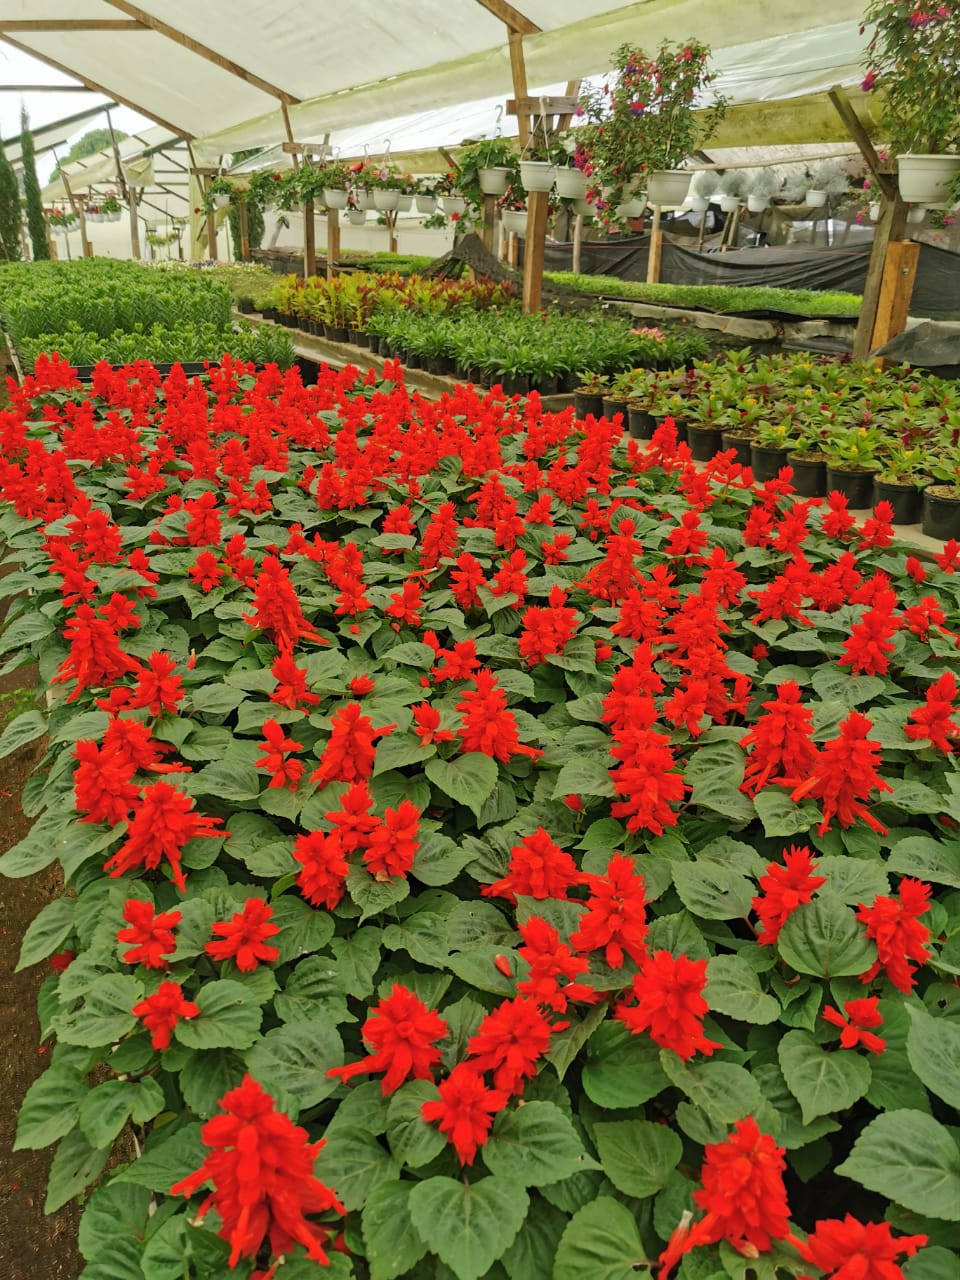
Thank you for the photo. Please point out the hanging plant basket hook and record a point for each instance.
(386, 153)
(499, 121)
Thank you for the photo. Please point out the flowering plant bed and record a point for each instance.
(491, 848)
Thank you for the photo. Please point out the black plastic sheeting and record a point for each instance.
(936, 293)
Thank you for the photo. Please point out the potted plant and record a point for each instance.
(702, 190)
(941, 500)
(912, 59)
(386, 184)
(771, 445)
(111, 206)
(335, 179)
(642, 125)
(448, 193)
(809, 463)
(761, 186)
(851, 462)
(827, 179)
(573, 167)
(537, 170)
(730, 190)
(217, 195)
(426, 196)
(588, 396)
(901, 481)
(487, 168)
(512, 206)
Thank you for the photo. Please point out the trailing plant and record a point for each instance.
(10, 216)
(36, 223)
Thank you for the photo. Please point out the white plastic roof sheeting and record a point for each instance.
(348, 66)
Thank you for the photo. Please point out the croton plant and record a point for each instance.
(491, 847)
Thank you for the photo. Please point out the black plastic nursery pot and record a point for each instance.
(442, 366)
(546, 386)
(587, 403)
(245, 306)
(358, 338)
(809, 475)
(309, 370)
(612, 406)
(740, 446)
(515, 384)
(766, 461)
(567, 383)
(373, 341)
(337, 334)
(641, 423)
(704, 442)
(906, 500)
(941, 512)
(857, 485)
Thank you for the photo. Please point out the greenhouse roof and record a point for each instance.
(250, 73)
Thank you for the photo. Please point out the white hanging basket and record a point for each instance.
(426, 204)
(514, 221)
(729, 204)
(221, 200)
(815, 198)
(406, 203)
(916, 214)
(874, 211)
(335, 198)
(356, 217)
(386, 201)
(537, 175)
(631, 208)
(364, 198)
(453, 204)
(668, 186)
(924, 179)
(572, 184)
(493, 181)
(583, 207)
(757, 204)
(698, 204)
(116, 215)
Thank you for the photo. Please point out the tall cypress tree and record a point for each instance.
(9, 210)
(31, 190)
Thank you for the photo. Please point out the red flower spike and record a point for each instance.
(291, 690)
(933, 722)
(261, 1168)
(538, 869)
(781, 748)
(784, 889)
(487, 726)
(669, 1005)
(548, 960)
(509, 1042)
(393, 844)
(855, 1027)
(161, 1012)
(349, 753)
(404, 1034)
(276, 746)
(243, 938)
(846, 1249)
(151, 935)
(277, 608)
(844, 774)
(616, 919)
(95, 657)
(465, 1110)
(101, 783)
(158, 689)
(894, 925)
(426, 725)
(161, 825)
(322, 878)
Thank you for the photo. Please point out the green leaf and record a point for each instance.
(74, 1167)
(601, 1242)
(105, 1111)
(733, 988)
(51, 1107)
(637, 1156)
(824, 938)
(534, 1145)
(935, 1263)
(533, 1251)
(303, 929)
(438, 860)
(168, 1158)
(106, 1014)
(933, 1048)
(723, 1090)
(621, 1070)
(468, 1225)
(297, 1057)
(229, 1018)
(21, 730)
(46, 933)
(712, 891)
(354, 1163)
(780, 816)
(468, 779)
(584, 775)
(392, 1243)
(217, 699)
(206, 1077)
(375, 896)
(412, 1140)
(854, 880)
(911, 1159)
(714, 774)
(229, 780)
(820, 1080)
(113, 1212)
(928, 859)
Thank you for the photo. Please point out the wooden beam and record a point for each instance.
(892, 226)
(309, 239)
(860, 136)
(655, 254)
(538, 211)
(134, 225)
(40, 25)
(518, 71)
(44, 88)
(896, 290)
(489, 222)
(515, 20)
(333, 241)
(202, 50)
(244, 231)
(552, 106)
(78, 211)
(99, 88)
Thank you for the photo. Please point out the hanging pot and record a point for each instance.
(874, 211)
(668, 186)
(116, 215)
(364, 198)
(406, 203)
(453, 204)
(426, 204)
(698, 204)
(757, 204)
(857, 485)
(386, 201)
(514, 221)
(356, 217)
(631, 208)
(537, 175)
(916, 214)
(571, 184)
(334, 198)
(924, 179)
(941, 512)
(729, 204)
(815, 199)
(493, 181)
(220, 201)
(583, 207)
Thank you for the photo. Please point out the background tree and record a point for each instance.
(89, 144)
(31, 190)
(9, 210)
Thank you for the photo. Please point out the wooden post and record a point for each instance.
(392, 230)
(333, 241)
(309, 239)
(538, 211)
(244, 231)
(79, 214)
(134, 224)
(656, 248)
(896, 290)
(577, 244)
(730, 230)
(891, 227)
(489, 222)
(703, 229)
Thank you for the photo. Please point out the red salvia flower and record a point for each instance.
(158, 688)
(161, 1012)
(465, 1110)
(844, 774)
(894, 925)
(61, 961)
(837, 520)
(647, 779)
(464, 581)
(151, 935)
(949, 558)
(548, 961)
(616, 918)
(132, 742)
(261, 1168)
(487, 725)
(669, 1006)
(161, 825)
(393, 844)
(353, 821)
(360, 686)
(509, 1042)
(404, 1034)
(934, 720)
(784, 889)
(867, 649)
(405, 605)
(322, 878)
(855, 1027)
(275, 746)
(291, 690)
(781, 749)
(538, 869)
(95, 657)
(277, 608)
(845, 1249)
(243, 937)
(101, 783)
(426, 725)
(349, 753)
